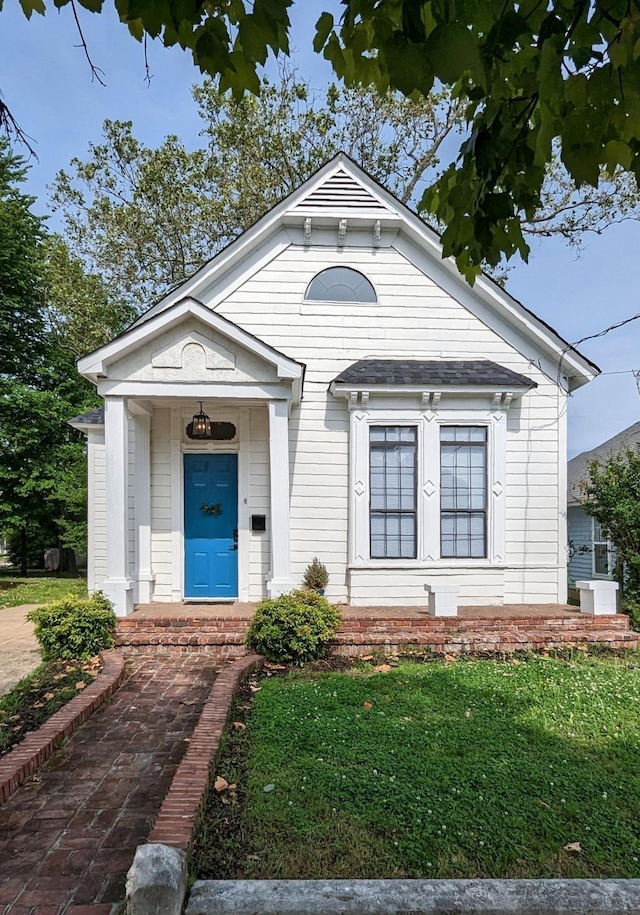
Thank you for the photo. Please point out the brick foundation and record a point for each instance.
(363, 634)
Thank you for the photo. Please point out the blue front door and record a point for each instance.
(211, 525)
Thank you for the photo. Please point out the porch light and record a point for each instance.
(200, 425)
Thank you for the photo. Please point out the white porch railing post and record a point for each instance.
(280, 580)
(598, 596)
(118, 585)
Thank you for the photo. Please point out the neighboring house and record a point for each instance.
(362, 404)
(591, 555)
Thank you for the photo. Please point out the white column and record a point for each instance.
(143, 574)
(118, 585)
(280, 581)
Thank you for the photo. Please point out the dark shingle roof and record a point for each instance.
(578, 466)
(93, 417)
(434, 371)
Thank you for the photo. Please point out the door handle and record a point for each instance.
(235, 539)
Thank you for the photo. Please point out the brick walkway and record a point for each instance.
(68, 836)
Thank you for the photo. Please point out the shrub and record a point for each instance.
(316, 576)
(73, 628)
(295, 627)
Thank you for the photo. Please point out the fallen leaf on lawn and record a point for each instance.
(232, 786)
(268, 788)
(383, 668)
(542, 804)
(572, 846)
(220, 783)
(240, 725)
(253, 857)
(367, 657)
(58, 676)
(516, 661)
(450, 657)
(406, 718)
(254, 689)
(37, 705)
(276, 666)
(467, 714)
(80, 684)
(49, 696)
(367, 704)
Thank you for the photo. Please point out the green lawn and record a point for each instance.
(467, 769)
(41, 590)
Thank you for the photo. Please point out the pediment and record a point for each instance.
(192, 352)
(191, 349)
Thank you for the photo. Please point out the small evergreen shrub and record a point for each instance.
(74, 628)
(294, 628)
(316, 576)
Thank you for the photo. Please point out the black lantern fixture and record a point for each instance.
(200, 425)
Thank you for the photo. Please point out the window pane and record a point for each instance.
(392, 483)
(340, 284)
(601, 559)
(463, 433)
(462, 535)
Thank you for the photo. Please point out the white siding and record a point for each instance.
(97, 508)
(161, 503)
(413, 318)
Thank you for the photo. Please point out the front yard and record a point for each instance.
(38, 590)
(472, 768)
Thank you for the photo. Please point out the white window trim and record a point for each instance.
(428, 425)
(599, 575)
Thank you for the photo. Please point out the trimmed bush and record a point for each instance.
(73, 628)
(294, 628)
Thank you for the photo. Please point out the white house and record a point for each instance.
(362, 404)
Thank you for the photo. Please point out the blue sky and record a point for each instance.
(46, 82)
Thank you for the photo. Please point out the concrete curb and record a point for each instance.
(36, 748)
(414, 897)
(183, 804)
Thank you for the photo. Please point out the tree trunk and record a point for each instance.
(23, 552)
(68, 560)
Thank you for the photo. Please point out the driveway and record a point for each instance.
(19, 650)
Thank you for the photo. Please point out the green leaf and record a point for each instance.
(324, 26)
(32, 6)
(453, 51)
(617, 153)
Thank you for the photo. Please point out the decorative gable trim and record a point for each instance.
(216, 356)
(364, 204)
(341, 192)
(94, 365)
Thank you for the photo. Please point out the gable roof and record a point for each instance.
(577, 466)
(341, 191)
(94, 364)
(430, 372)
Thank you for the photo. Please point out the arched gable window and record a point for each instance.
(340, 284)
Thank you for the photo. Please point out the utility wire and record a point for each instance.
(606, 331)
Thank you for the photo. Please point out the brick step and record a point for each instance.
(357, 635)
